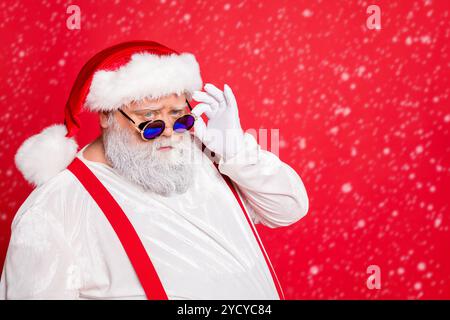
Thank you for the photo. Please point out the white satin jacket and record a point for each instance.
(200, 243)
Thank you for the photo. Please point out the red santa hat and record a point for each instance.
(113, 77)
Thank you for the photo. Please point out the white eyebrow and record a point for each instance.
(155, 107)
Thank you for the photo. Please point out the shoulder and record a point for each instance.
(56, 200)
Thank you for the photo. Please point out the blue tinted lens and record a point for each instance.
(153, 130)
(184, 123)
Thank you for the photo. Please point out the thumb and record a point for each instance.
(199, 128)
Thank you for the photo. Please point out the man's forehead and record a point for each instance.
(156, 104)
(177, 106)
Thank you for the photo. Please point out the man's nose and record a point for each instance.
(168, 130)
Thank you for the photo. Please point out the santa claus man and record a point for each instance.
(162, 205)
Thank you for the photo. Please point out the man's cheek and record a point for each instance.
(137, 137)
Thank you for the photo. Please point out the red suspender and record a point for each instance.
(255, 234)
(124, 229)
(130, 240)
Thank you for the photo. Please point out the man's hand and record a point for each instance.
(223, 133)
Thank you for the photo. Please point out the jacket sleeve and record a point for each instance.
(272, 191)
(39, 262)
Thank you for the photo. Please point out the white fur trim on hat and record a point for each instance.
(145, 76)
(44, 155)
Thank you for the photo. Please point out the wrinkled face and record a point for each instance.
(167, 109)
(160, 165)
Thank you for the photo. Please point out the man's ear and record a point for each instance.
(103, 117)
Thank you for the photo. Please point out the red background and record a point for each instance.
(363, 117)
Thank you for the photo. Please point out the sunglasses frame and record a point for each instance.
(144, 124)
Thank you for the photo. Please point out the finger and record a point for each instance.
(201, 108)
(215, 92)
(205, 97)
(229, 96)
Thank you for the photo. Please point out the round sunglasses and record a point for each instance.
(154, 128)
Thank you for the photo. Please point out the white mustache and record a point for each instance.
(166, 143)
(155, 171)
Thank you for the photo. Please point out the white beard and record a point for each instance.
(161, 172)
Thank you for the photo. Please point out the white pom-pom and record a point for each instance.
(44, 155)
